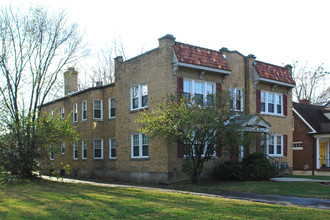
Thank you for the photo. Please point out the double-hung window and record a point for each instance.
(62, 148)
(236, 99)
(51, 152)
(275, 145)
(75, 150)
(271, 103)
(62, 112)
(140, 146)
(98, 149)
(139, 96)
(84, 110)
(97, 109)
(83, 149)
(75, 112)
(112, 109)
(112, 148)
(202, 91)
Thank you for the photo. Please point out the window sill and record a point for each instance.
(98, 159)
(112, 118)
(271, 114)
(83, 120)
(113, 158)
(298, 148)
(84, 159)
(98, 119)
(140, 158)
(75, 159)
(275, 155)
(139, 109)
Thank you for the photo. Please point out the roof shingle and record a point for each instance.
(273, 72)
(200, 56)
(313, 114)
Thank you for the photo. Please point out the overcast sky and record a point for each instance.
(276, 32)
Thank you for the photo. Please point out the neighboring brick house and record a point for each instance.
(311, 139)
(110, 145)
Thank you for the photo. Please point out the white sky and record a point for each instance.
(277, 32)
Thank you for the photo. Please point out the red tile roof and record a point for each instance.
(273, 72)
(200, 56)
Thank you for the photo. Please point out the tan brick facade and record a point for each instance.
(154, 68)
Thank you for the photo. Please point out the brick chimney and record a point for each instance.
(305, 101)
(70, 81)
(167, 41)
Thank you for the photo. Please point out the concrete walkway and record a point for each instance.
(253, 197)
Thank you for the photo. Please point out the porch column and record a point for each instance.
(318, 161)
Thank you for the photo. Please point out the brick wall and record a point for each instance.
(305, 156)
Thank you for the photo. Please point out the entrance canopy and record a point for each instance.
(252, 123)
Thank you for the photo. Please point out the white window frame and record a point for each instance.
(140, 146)
(51, 152)
(75, 150)
(266, 96)
(101, 106)
(83, 105)
(75, 112)
(191, 90)
(234, 97)
(139, 96)
(112, 146)
(62, 112)
(94, 141)
(297, 145)
(62, 148)
(112, 107)
(83, 148)
(275, 137)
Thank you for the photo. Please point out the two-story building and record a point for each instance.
(110, 145)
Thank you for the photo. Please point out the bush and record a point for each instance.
(229, 170)
(254, 166)
(258, 166)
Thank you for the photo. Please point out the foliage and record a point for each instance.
(229, 170)
(254, 166)
(257, 167)
(16, 155)
(201, 127)
(35, 46)
(309, 81)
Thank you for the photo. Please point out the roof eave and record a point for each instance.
(204, 68)
(276, 82)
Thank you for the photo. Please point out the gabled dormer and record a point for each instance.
(272, 74)
(198, 58)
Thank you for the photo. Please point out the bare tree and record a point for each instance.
(308, 81)
(324, 96)
(103, 69)
(35, 46)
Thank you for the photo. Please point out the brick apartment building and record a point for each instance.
(311, 139)
(110, 145)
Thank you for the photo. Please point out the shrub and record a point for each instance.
(229, 170)
(254, 166)
(258, 166)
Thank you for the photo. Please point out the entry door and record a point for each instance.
(322, 153)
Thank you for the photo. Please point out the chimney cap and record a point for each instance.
(304, 101)
(169, 36)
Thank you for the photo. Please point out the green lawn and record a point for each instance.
(309, 177)
(302, 189)
(55, 200)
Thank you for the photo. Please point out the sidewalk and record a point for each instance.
(253, 197)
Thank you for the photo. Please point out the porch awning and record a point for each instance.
(251, 123)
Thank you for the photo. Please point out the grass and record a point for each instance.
(301, 189)
(55, 200)
(309, 177)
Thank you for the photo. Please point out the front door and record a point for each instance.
(322, 153)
